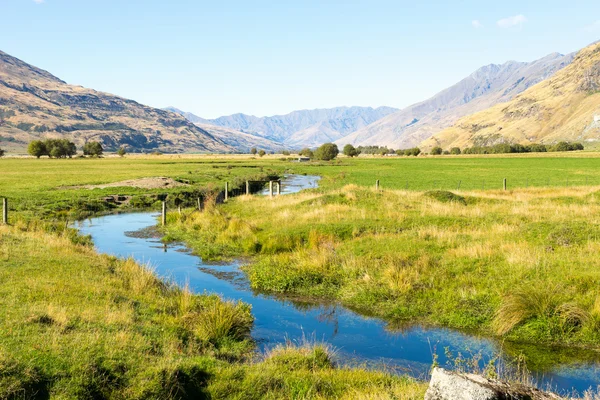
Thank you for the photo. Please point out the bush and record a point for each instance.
(436, 151)
(327, 152)
(1, 153)
(221, 320)
(285, 153)
(446, 197)
(415, 151)
(455, 150)
(253, 151)
(121, 152)
(350, 151)
(92, 149)
(261, 153)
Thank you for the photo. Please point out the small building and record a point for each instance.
(303, 159)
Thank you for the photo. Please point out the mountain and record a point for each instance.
(564, 107)
(36, 104)
(241, 141)
(484, 88)
(305, 128)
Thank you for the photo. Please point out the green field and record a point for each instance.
(519, 264)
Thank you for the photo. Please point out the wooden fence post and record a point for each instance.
(377, 185)
(504, 183)
(5, 211)
(270, 188)
(226, 191)
(164, 213)
(199, 204)
(278, 188)
(247, 187)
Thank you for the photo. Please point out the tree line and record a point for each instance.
(63, 148)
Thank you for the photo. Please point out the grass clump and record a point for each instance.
(446, 197)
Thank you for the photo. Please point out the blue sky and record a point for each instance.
(270, 57)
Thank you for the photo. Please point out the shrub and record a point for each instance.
(92, 149)
(455, 150)
(327, 152)
(261, 153)
(350, 151)
(121, 152)
(253, 151)
(436, 151)
(1, 153)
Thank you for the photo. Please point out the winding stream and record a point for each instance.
(357, 339)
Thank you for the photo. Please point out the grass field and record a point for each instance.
(520, 264)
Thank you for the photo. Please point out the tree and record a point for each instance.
(327, 152)
(93, 149)
(455, 150)
(60, 148)
(253, 151)
(2, 152)
(436, 151)
(261, 153)
(350, 151)
(121, 152)
(37, 148)
(306, 152)
(285, 152)
(400, 152)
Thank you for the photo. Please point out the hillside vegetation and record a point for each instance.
(564, 107)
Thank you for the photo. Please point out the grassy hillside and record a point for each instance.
(563, 107)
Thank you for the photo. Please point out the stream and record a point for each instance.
(357, 339)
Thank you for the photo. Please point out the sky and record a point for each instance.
(263, 58)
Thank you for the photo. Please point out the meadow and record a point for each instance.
(518, 264)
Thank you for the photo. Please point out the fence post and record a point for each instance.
(164, 213)
(226, 191)
(270, 188)
(504, 183)
(278, 188)
(377, 185)
(247, 187)
(199, 205)
(458, 187)
(5, 211)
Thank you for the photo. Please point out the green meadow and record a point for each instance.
(432, 247)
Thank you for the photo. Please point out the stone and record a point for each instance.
(446, 385)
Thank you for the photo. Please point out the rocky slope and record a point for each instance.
(484, 88)
(305, 128)
(35, 104)
(564, 107)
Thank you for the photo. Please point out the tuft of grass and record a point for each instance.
(446, 197)
(522, 305)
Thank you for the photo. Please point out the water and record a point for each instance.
(294, 184)
(357, 338)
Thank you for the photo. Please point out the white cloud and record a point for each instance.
(515, 20)
(476, 24)
(595, 27)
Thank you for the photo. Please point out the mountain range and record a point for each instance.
(36, 104)
(304, 128)
(550, 99)
(563, 107)
(484, 88)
